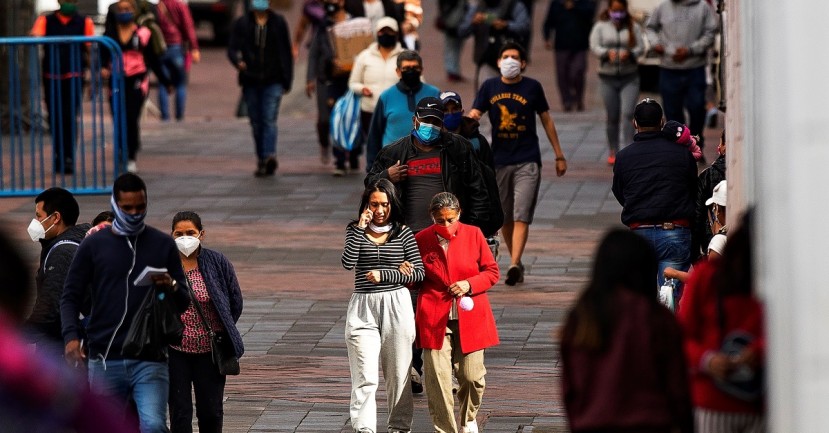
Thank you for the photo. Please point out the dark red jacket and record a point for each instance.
(639, 382)
(699, 320)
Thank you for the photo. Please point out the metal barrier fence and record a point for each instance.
(61, 114)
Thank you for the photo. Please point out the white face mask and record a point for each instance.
(187, 244)
(36, 230)
(510, 68)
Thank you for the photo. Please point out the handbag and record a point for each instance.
(221, 348)
(154, 326)
(744, 383)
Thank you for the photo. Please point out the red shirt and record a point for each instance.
(176, 23)
(699, 320)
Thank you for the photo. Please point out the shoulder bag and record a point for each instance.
(221, 348)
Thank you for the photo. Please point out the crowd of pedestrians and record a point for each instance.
(437, 193)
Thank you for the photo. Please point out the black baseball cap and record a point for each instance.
(648, 113)
(429, 107)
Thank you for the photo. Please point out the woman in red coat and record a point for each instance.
(454, 320)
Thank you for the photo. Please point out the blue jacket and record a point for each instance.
(392, 119)
(655, 180)
(108, 264)
(224, 291)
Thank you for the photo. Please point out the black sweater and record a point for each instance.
(106, 265)
(267, 55)
(655, 180)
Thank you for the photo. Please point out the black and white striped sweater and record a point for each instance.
(363, 255)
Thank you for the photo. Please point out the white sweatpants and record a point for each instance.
(380, 326)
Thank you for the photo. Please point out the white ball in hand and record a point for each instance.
(466, 303)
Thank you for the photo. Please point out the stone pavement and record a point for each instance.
(285, 235)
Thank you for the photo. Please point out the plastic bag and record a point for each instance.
(345, 121)
(666, 294)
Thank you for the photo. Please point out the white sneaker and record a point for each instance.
(471, 427)
(132, 167)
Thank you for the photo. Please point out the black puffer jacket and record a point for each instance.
(708, 179)
(267, 55)
(56, 255)
(459, 169)
(655, 180)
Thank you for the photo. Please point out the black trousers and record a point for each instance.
(196, 372)
(63, 102)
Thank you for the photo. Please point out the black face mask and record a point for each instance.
(410, 77)
(331, 8)
(386, 40)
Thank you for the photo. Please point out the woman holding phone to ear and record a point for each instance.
(380, 321)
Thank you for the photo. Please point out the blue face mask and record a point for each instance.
(260, 5)
(124, 223)
(124, 17)
(427, 133)
(452, 120)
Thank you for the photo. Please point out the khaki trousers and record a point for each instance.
(438, 367)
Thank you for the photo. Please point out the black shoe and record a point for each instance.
(417, 388)
(260, 169)
(270, 166)
(515, 274)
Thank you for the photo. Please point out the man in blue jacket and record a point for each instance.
(655, 181)
(392, 117)
(106, 267)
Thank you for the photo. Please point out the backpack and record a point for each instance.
(491, 225)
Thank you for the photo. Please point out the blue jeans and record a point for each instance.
(172, 63)
(147, 383)
(263, 110)
(684, 89)
(673, 248)
(452, 54)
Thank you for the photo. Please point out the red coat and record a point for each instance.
(698, 317)
(471, 260)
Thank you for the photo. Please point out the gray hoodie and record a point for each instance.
(605, 37)
(683, 23)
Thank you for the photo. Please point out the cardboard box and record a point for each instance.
(349, 38)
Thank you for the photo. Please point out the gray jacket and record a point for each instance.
(683, 23)
(605, 37)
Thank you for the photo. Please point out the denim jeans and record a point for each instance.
(263, 109)
(144, 382)
(452, 54)
(172, 63)
(684, 89)
(673, 248)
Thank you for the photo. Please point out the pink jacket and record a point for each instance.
(467, 258)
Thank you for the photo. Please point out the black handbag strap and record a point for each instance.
(199, 310)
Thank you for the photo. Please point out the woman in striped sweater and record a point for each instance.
(380, 320)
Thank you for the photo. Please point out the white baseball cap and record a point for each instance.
(386, 22)
(720, 194)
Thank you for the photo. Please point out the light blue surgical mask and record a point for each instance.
(260, 5)
(452, 120)
(427, 133)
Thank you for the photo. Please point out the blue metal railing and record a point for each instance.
(54, 129)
